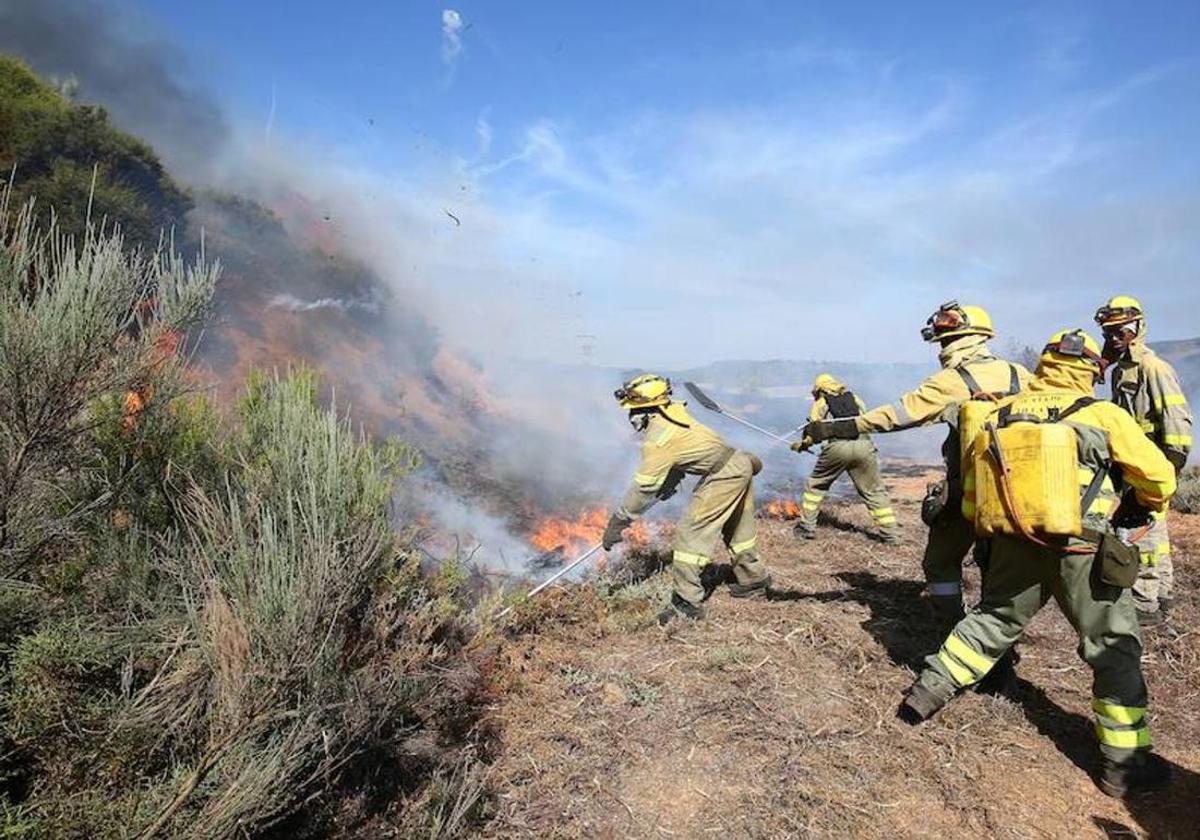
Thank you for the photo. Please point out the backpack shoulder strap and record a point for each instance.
(1082, 402)
(1014, 380)
(969, 380)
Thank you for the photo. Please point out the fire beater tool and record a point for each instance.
(711, 404)
(532, 592)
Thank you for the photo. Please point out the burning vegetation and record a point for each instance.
(784, 508)
(572, 535)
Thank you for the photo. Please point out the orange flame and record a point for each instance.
(580, 533)
(782, 509)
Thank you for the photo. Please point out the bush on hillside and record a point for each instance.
(73, 160)
(210, 628)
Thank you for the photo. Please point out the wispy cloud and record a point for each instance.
(706, 222)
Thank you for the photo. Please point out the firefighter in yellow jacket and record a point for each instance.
(859, 458)
(674, 446)
(1087, 574)
(968, 369)
(1148, 388)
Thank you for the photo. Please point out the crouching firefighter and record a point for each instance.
(1048, 468)
(1148, 388)
(859, 458)
(674, 445)
(969, 372)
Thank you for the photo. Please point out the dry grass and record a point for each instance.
(777, 719)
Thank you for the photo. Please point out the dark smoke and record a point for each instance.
(137, 78)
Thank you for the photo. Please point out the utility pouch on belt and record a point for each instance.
(1119, 561)
(937, 499)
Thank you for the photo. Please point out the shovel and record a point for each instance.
(711, 404)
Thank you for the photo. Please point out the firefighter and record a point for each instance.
(674, 445)
(1148, 388)
(859, 458)
(968, 370)
(1087, 575)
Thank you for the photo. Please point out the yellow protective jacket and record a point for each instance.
(1148, 388)
(930, 401)
(675, 445)
(937, 398)
(1105, 435)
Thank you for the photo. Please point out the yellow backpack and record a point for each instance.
(1026, 475)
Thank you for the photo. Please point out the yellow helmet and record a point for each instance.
(1076, 348)
(953, 320)
(647, 390)
(1118, 311)
(827, 384)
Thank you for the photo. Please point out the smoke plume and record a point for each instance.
(89, 47)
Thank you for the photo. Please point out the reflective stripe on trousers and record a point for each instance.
(966, 665)
(1121, 727)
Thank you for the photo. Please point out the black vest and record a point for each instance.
(842, 405)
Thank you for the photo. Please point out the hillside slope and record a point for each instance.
(778, 719)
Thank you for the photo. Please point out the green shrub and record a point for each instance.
(217, 628)
(70, 158)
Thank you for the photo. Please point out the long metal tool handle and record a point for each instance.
(758, 429)
(711, 404)
(532, 592)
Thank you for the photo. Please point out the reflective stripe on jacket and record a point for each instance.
(1148, 388)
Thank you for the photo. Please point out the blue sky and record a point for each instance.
(694, 181)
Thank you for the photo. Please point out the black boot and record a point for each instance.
(920, 705)
(757, 589)
(679, 608)
(1144, 772)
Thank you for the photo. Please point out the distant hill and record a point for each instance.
(774, 393)
(1184, 354)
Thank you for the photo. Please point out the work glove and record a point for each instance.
(671, 486)
(1178, 460)
(612, 532)
(802, 445)
(1131, 514)
(819, 431)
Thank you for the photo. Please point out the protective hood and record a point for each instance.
(677, 413)
(1137, 347)
(827, 384)
(969, 348)
(1064, 375)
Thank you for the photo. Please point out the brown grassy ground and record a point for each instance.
(778, 719)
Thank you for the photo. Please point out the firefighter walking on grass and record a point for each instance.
(1148, 388)
(674, 445)
(859, 458)
(969, 370)
(1044, 470)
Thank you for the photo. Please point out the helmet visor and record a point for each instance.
(949, 317)
(1110, 317)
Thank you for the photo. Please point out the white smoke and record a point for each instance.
(294, 304)
(452, 27)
